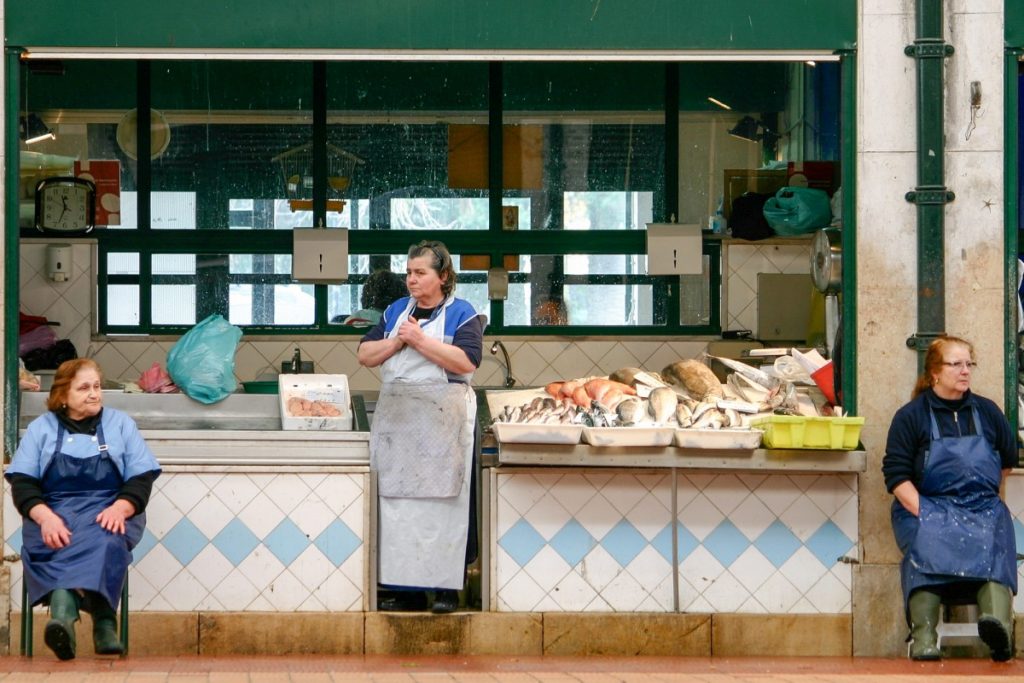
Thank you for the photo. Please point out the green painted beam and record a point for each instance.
(1013, 23)
(848, 161)
(1011, 207)
(435, 24)
(12, 290)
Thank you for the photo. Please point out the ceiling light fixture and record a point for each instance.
(33, 129)
(720, 103)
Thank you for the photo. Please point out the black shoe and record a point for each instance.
(402, 601)
(445, 601)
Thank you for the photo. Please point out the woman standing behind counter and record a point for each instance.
(947, 454)
(81, 478)
(421, 443)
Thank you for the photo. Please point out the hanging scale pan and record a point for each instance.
(159, 134)
(827, 260)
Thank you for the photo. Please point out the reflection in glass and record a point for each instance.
(174, 305)
(271, 304)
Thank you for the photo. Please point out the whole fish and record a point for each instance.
(684, 416)
(630, 411)
(696, 378)
(662, 404)
(750, 372)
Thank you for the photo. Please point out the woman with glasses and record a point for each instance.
(947, 454)
(421, 442)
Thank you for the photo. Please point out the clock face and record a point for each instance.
(65, 205)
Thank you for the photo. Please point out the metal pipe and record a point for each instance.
(930, 195)
(510, 381)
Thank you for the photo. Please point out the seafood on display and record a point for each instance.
(582, 392)
(695, 378)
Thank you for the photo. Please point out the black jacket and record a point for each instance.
(910, 433)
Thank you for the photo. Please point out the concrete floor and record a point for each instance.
(310, 669)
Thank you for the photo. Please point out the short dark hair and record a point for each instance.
(440, 261)
(381, 289)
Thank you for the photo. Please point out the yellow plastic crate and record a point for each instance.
(788, 431)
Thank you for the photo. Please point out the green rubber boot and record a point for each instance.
(105, 640)
(995, 621)
(924, 618)
(60, 629)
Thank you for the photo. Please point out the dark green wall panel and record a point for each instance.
(436, 24)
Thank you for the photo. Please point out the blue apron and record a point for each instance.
(964, 532)
(97, 560)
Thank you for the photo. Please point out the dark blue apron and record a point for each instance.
(78, 489)
(964, 532)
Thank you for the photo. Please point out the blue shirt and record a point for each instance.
(126, 447)
(463, 326)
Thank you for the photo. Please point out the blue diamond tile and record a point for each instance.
(185, 541)
(573, 542)
(686, 543)
(235, 541)
(623, 542)
(777, 543)
(521, 542)
(145, 544)
(337, 542)
(286, 541)
(726, 543)
(1018, 532)
(14, 540)
(828, 544)
(663, 543)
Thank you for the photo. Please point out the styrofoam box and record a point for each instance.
(629, 436)
(525, 432)
(726, 439)
(331, 389)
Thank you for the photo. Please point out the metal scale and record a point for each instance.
(827, 275)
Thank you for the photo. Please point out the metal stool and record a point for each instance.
(26, 619)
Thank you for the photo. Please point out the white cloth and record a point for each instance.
(422, 541)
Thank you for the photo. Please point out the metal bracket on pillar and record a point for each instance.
(928, 48)
(920, 341)
(930, 194)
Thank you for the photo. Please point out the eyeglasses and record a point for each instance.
(960, 364)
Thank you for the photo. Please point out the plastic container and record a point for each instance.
(828, 433)
(525, 432)
(629, 436)
(724, 439)
(327, 389)
(261, 387)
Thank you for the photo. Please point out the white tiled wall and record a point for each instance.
(534, 361)
(243, 541)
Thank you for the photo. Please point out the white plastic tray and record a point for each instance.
(331, 389)
(747, 439)
(524, 432)
(629, 436)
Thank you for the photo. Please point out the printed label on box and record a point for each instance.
(106, 175)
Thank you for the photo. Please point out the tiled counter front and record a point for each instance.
(601, 540)
(245, 539)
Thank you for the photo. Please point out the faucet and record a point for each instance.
(297, 361)
(510, 381)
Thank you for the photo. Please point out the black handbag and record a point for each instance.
(747, 221)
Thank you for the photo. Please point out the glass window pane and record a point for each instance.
(271, 304)
(608, 210)
(610, 304)
(123, 305)
(123, 264)
(174, 305)
(174, 264)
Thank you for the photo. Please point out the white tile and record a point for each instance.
(598, 517)
(261, 567)
(287, 491)
(686, 491)
(623, 492)
(726, 492)
(621, 355)
(752, 517)
(521, 491)
(312, 517)
(649, 568)
(339, 491)
(286, 593)
(236, 592)
(209, 567)
(777, 492)
(211, 516)
(829, 595)
(547, 516)
(624, 593)
(311, 568)
(236, 491)
(803, 569)
(140, 592)
(260, 604)
(777, 594)
(574, 491)
(527, 365)
(572, 363)
(700, 605)
(803, 518)
(520, 594)
(752, 606)
(700, 569)
(506, 517)
(649, 516)
(547, 568)
(846, 519)
(547, 479)
(184, 592)
(726, 593)
(504, 567)
(572, 593)
(751, 569)
(598, 604)
(829, 493)
(158, 566)
(261, 515)
(312, 603)
(339, 594)
(598, 568)
(700, 517)
(355, 519)
(843, 573)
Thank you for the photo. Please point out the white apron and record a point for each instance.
(422, 530)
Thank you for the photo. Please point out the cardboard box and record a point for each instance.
(331, 390)
(740, 180)
(820, 175)
(106, 175)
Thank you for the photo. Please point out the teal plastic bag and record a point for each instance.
(202, 363)
(798, 210)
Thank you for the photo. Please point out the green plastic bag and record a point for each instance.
(202, 363)
(798, 210)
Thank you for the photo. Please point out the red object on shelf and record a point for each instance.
(824, 377)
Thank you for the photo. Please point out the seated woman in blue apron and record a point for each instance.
(946, 456)
(81, 479)
(427, 345)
